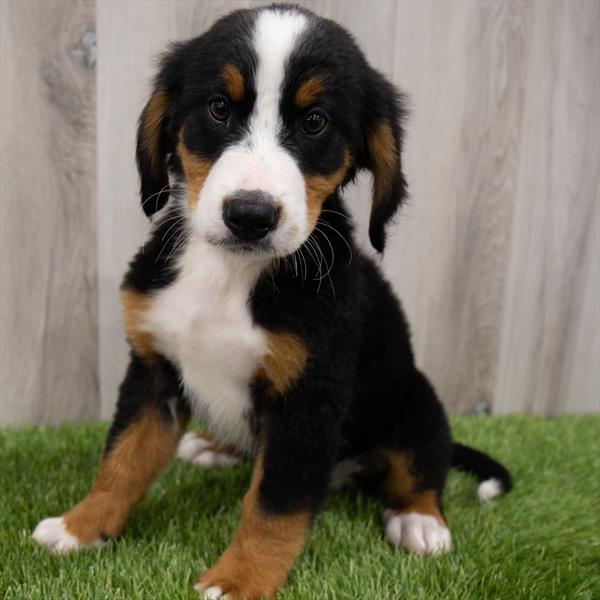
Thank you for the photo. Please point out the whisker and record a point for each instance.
(328, 273)
(343, 238)
(173, 225)
(336, 212)
(184, 237)
(166, 188)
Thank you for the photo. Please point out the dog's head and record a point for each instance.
(261, 119)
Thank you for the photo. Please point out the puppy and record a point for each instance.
(252, 307)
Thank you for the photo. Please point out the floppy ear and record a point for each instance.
(382, 142)
(152, 153)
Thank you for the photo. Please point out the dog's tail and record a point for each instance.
(494, 479)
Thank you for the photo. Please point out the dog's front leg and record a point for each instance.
(289, 483)
(149, 421)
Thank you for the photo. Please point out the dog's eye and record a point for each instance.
(314, 122)
(219, 109)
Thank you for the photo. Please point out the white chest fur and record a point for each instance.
(202, 323)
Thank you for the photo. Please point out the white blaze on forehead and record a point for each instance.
(259, 161)
(275, 36)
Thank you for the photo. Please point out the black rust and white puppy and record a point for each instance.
(252, 307)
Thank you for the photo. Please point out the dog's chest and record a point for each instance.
(202, 323)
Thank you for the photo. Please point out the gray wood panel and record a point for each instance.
(549, 357)
(496, 257)
(130, 40)
(48, 287)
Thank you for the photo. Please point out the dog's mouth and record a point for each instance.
(237, 246)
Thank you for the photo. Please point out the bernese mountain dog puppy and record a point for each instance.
(251, 306)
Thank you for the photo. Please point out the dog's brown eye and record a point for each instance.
(219, 109)
(314, 122)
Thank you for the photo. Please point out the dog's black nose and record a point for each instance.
(250, 214)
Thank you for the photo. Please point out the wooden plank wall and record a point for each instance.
(48, 283)
(497, 256)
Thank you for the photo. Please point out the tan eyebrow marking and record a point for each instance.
(234, 82)
(308, 90)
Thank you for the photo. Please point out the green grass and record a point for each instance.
(541, 541)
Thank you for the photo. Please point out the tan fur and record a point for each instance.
(195, 170)
(285, 360)
(262, 552)
(384, 155)
(309, 90)
(134, 304)
(400, 483)
(140, 452)
(151, 121)
(319, 187)
(234, 82)
(425, 503)
(401, 487)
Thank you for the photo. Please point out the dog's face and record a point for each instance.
(262, 119)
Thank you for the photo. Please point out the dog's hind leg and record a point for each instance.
(415, 474)
(203, 450)
(149, 421)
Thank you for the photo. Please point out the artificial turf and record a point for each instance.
(540, 541)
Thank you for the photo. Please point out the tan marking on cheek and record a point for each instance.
(134, 305)
(284, 362)
(195, 171)
(309, 90)
(320, 187)
(139, 453)
(262, 552)
(151, 121)
(384, 156)
(234, 82)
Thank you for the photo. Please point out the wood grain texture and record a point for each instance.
(466, 80)
(549, 358)
(132, 38)
(48, 288)
(496, 257)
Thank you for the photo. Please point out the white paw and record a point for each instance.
(200, 451)
(420, 534)
(489, 489)
(53, 534)
(210, 593)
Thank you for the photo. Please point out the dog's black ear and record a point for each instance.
(152, 153)
(383, 114)
(155, 130)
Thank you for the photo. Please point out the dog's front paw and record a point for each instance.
(210, 593)
(52, 533)
(237, 576)
(417, 533)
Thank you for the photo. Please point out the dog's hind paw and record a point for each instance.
(201, 450)
(417, 533)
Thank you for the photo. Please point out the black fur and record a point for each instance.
(360, 389)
